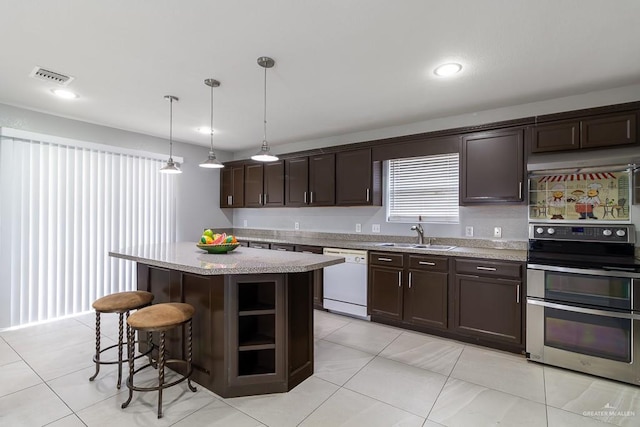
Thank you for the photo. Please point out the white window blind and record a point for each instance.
(64, 206)
(423, 189)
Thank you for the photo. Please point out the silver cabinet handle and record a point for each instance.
(486, 268)
(311, 197)
(367, 194)
(410, 279)
(520, 190)
(229, 200)
(518, 294)
(305, 197)
(281, 249)
(385, 259)
(260, 198)
(399, 279)
(426, 263)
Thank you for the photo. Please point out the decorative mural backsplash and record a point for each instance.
(590, 196)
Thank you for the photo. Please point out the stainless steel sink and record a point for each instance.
(417, 246)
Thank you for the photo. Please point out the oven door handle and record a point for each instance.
(592, 311)
(587, 271)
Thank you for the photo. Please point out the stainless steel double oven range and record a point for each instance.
(583, 299)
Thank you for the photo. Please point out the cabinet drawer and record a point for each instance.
(309, 249)
(260, 245)
(430, 263)
(489, 268)
(282, 247)
(386, 259)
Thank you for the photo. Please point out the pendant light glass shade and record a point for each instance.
(264, 155)
(171, 167)
(212, 162)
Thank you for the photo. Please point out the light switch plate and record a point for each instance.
(497, 232)
(375, 228)
(296, 225)
(358, 228)
(468, 231)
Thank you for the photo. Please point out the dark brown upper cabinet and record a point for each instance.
(358, 179)
(590, 132)
(274, 183)
(296, 181)
(555, 137)
(322, 180)
(253, 185)
(492, 168)
(264, 184)
(232, 186)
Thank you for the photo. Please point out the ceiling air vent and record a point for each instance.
(50, 76)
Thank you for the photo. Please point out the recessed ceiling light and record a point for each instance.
(204, 130)
(447, 69)
(63, 93)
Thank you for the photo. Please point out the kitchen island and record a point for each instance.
(253, 325)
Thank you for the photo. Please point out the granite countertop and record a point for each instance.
(511, 251)
(185, 256)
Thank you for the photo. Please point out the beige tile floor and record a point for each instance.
(365, 375)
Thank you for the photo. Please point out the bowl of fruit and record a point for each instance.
(216, 243)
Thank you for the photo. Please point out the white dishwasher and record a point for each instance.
(345, 285)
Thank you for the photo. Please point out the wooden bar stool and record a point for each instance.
(121, 303)
(160, 318)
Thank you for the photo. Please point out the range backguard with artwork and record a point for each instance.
(581, 195)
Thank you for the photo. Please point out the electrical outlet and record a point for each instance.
(245, 222)
(296, 225)
(497, 232)
(468, 231)
(375, 228)
(358, 228)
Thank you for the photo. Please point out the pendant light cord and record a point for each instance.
(211, 130)
(264, 141)
(171, 129)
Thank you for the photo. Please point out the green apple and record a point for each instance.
(208, 232)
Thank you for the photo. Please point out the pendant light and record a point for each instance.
(171, 166)
(264, 155)
(212, 162)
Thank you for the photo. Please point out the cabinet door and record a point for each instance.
(274, 183)
(609, 131)
(488, 307)
(322, 180)
(426, 299)
(353, 177)
(296, 181)
(232, 187)
(318, 275)
(555, 137)
(492, 167)
(385, 292)
(253, 185)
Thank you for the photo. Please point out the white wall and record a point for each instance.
(512, 219)
(197, 189)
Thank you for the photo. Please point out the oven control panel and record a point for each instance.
(583, 233)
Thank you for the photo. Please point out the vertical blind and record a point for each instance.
(423, 189)
(64, 207)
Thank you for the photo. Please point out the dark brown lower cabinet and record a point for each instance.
(318, 276)
(426, 299)
(385, 292)
(488, 297)
(252, 333)
(408, 288)
(472, 300)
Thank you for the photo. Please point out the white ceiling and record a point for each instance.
(341, 66)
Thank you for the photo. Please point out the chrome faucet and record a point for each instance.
(418, 229)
